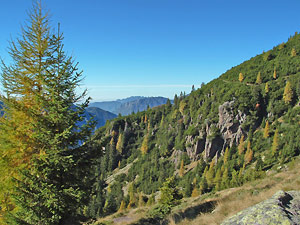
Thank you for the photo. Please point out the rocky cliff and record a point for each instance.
(215, 137)
(282, 208)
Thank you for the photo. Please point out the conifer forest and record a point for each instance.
(57, 168)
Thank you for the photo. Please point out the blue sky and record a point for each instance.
(158, 47)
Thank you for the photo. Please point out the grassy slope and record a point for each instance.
(221, 204)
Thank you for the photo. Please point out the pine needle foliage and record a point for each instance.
(288, 93)
(241, 146)
(267, 88)
(275, 74)
(266, 130)
(44, 165)
(258, 78)
(275, 143)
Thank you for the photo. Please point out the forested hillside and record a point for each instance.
(230, 131)
(54, 169)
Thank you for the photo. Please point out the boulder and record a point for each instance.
(281, 208)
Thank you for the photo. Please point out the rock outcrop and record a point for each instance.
(230, 124)
(196, 146)
(282, 208)
(215, 137)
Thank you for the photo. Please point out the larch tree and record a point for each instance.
(267, 88)
(266, 130)
(249, 154)
(181, 169)
(141, 202)
(241, 77)
(288, 93)
(120, 143)
(241, 146)
(44, 156)
(195, 192)
(226, 155)
(210, 174)
(293, 52)
(275, 74)
(258, 78)
(122, 206)
(145, 147)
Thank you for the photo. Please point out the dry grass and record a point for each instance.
(233, 200)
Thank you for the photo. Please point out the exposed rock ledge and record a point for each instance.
(282, 208)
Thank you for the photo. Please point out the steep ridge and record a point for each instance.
(232, 129)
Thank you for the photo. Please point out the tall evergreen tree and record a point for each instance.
(44, 151)
(145, 147)
(275, 74)
(258, 78)
(241, 146)
(249, 154)
(267, 88)
(181, 169)
(120, 144)
(226, 155)
(275, 143)
(288, 93)
(266, 130)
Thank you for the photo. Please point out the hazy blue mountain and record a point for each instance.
(110, 106)
(130, 99)
(100, 115)
(128, 105)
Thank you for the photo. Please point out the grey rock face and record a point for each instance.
(230, 124)
(214, 138)
(196, 147)
(282, 208)
(176, 156)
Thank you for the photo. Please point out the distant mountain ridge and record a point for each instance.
(128, 105)
(99, 115)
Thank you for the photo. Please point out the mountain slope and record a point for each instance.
(99, 115)
(227, 133)
(129, 105)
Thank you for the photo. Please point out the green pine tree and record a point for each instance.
(170, 195)
(40, 137)
(275, 143)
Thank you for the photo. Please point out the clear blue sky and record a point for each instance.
(158, 47)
